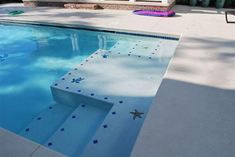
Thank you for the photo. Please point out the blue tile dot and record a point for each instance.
(75, 68)
(150, 57)
(120, 102)
(91, 56)
(27, 129)
(69, 73)
(105, 126)
(86, 60)
(105, 98)
(50, 107)
(67, 88)
(92, 94)
(79, 90)
(73, 116)
(81, 64)
(39, 118)
(139, 56)
(62, 129)
(49, 144)
(128, 54)
(95, 141)
(83, 105)
(56, 84)
(63, 78)
(113, 112)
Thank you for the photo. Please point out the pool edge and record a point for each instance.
(96, 28)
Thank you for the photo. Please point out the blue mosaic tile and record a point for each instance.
(105, 56)
(95, 141)
(49, 144)
(105, 126)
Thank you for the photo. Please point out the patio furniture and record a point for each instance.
(231, 12)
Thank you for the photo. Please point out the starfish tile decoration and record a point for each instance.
(136, 114)
(78, 80)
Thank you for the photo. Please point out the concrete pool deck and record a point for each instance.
(193, 111)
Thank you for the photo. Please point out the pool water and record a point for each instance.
(32, 58)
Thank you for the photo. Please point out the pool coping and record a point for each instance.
(15, 145)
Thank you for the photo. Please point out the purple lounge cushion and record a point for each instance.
(155, 13)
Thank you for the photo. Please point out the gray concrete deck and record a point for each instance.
(194, 110)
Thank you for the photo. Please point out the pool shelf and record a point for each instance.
(128, 81)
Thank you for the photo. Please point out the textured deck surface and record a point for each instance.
(203, 63)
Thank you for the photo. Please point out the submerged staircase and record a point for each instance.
(64, 128)
(96, 98)
(44, 124)
(77, 130)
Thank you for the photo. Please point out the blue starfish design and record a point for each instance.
(78, 80)
(136, 114)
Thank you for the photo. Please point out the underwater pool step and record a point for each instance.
(78, 129)
(141, 48)
(45, 124)
(128, 81)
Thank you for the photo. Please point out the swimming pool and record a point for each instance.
(35, 57)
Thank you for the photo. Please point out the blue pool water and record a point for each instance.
(32, 58)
